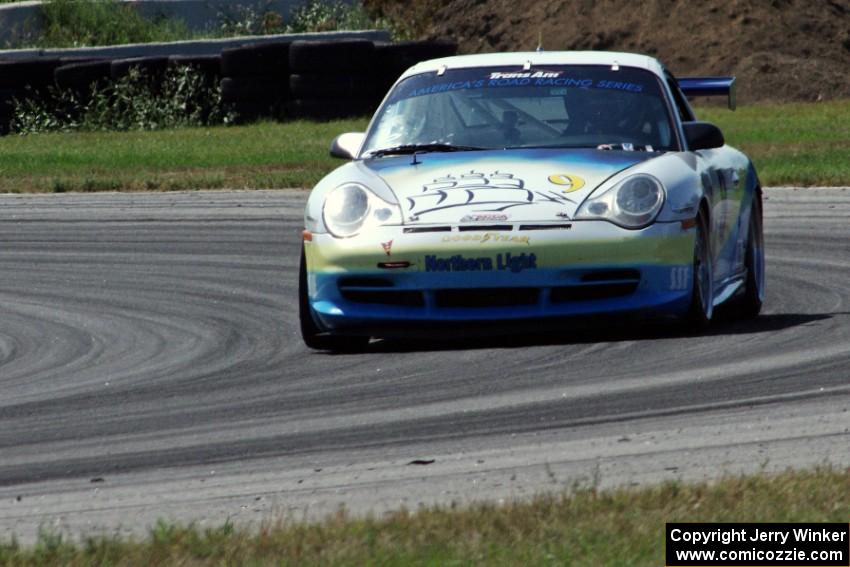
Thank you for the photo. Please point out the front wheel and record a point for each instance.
(702, 297)
(311, 334)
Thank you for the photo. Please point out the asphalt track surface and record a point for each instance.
(150, 367)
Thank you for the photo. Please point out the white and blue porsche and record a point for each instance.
(518, 187)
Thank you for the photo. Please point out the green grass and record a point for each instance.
(71, 23)
(588, 527)
(791, 144)
(77, 23)
(265, 155)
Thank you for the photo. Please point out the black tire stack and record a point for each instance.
(395, 58)
(255, 81)
(21, 80)
(317, 80)
(209, 66)
(81, 77)
(332, 79)
(152, 68)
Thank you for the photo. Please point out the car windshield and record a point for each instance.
(557, 106)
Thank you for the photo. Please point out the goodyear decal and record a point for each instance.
(489, 237)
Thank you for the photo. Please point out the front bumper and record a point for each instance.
(578, 269)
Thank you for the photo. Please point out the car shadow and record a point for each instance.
(584, 332)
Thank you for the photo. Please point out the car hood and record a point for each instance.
(537, 185)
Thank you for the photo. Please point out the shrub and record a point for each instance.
(185, 98)
(71, 23)
(319, 15)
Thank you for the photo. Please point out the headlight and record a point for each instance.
(634, 202)
(351, 207)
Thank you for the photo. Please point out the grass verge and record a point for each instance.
(265, 155)
(791, 144)
(586, 527)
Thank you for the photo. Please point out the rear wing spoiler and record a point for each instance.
(710, 86)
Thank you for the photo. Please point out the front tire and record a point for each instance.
(702, 297)
(749, 304)
(311, 333)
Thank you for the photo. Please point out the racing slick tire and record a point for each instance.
(329, 109)
(154, 68)
(35, 72)
(209, 66)
(254, 89)
(314, 86)
(310, 331)
(323, 56)
(256, 59)
(749, 303)
(702, 298)
(80, 77)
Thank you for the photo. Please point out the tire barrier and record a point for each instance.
(255, 80)
(36, 74)
(255, 97)
(315, 79)
(7, 110)
(332, 79)
(153, 67)
(394, 59)
(266, 59)
(330, 109)
(320, 57)
(209, 66)
(81, 77)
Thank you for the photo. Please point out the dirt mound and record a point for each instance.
(780, 50)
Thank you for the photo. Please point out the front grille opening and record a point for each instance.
(611, 275)
(364, 282)
(545, 226)
(487, 297)
(485, 227)
(404, 298)
(565, 294)
(415, 229)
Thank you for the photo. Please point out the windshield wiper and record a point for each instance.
(414, 148)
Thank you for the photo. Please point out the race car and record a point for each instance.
(509, 188)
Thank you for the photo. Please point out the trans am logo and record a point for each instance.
(495, 192)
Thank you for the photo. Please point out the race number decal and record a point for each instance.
(568, 183)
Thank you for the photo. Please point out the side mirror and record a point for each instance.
(703, 135)
(346, 146)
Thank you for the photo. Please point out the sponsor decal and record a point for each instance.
(567, 182)
(489, 237)
(556, 80)
(446, 87)
(387, 246)
(499, 191)
(514, 263)
(525, 75)
(619, 86)
(484, 217)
